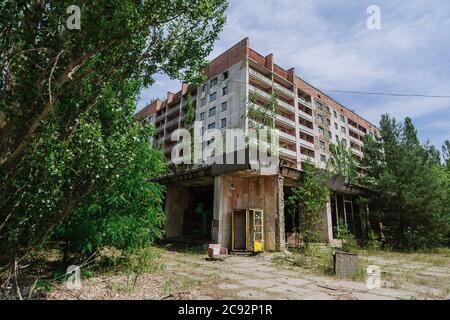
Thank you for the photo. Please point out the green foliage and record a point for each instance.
(100, 170)
(134, 262)
(342, 162)
(348, 239)
(410, 187)
(262, 116)
(446, 155)
(189, 116)
(314, 259)
(126, 214)
(373, 243)
(68, 141)
(308, 199)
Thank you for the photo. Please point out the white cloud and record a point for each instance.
(330, 46)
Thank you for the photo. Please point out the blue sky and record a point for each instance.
(329, 44)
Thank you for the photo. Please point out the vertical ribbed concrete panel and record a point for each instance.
(178, 199)
(239, 192)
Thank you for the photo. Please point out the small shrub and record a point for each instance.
(373, 244)
(348, 239)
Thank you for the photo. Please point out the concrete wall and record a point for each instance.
(236, 99)
(178, 199)
(261, 192)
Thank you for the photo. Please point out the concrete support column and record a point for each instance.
(178, 199)
(221, 231)
(326, 233)
(279, 221)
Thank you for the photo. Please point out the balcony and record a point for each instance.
(287, 136)
(306, 129)
(170, 123)
(160, 117)
(172, 111)
(283, 90)
(259, 92)
(285, 121)
(259, 76)
(305, 157)
(305, 102)
(305, 115)
(306, 144)
(288, 153)
(356, 148)
(285, 106)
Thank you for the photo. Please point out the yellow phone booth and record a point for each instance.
(247, 230)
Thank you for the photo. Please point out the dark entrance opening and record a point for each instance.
(345, 209)
(240, 233)
(198, 216)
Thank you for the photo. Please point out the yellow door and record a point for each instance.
(258, 230)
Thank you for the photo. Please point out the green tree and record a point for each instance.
(446, 154)
(342, 162)
(125, 214)
(97, 162)
(46, 66)
(66, 99)
(409, 188)
(309, 199)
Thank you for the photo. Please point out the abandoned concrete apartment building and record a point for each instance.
(246, 207)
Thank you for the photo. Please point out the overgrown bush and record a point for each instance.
(127, 215)
(373, 243)
(348, 239)
(307, 201)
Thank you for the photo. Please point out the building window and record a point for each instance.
(212, 112)
(224, 106)
(203, 102)
(337, 138)
(202, 116)
(212, 126)
(342, 118)
(320, 118)
(204, 88)
(344, 142)
(343, 130)
(223, 123)
(321, 131)
(336, 126)
(330, 135)
(335, 114)
(322, 145)
(323, 158)
(225, 75)
(213, 82)
(329, 122)
(225, 90)
(213, 96)
(319, 105)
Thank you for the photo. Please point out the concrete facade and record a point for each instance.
(178, 200)
(239, 192)
(307, 119)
